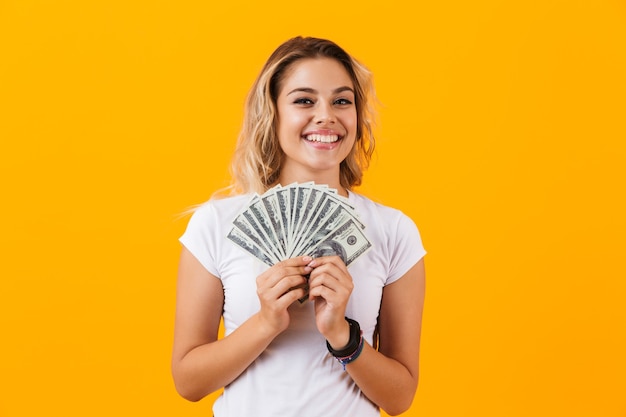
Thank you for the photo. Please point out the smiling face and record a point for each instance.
(317, 121)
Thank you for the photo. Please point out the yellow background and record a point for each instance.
(502, 135)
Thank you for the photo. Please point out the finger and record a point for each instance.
(321, 291)
(283, 269)
(329, 276)
(281, 286)
(289, 297)
(340, 286)
(334, 296)
(325, 260)
(299, 276)
(297, 261)
(338, 272)
(277, 272)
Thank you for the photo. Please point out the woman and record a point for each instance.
(307, 119)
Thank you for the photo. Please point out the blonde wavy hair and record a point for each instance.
(258, 158)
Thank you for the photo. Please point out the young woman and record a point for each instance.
(352, 348)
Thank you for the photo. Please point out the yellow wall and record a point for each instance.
(502, 135)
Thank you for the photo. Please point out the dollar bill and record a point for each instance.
(299, 219)
(284, 207)
(270, 204)
(243, 241)
(348, 242)
(325, 216)
(298, 208)
(253, 237)
(309, 212)
(260, 223)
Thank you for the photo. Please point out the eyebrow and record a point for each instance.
(313, 91)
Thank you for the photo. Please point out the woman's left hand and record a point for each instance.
(330, 286)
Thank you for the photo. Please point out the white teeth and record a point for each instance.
(322, 138)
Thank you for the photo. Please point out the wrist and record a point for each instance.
(354, 343)
(339, 339)
(353, 349)
(266, 329)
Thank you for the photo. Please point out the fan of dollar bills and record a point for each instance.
(297, 220)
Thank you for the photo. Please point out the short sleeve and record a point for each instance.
(406, 248)
(200, 237)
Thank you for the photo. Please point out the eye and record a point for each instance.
(343, 102)
(303, 100)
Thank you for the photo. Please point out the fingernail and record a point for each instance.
(312, 263)
(307, 259)
(307, 269)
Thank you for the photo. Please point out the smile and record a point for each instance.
(322, 138)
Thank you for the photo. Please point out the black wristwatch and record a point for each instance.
(353, 343)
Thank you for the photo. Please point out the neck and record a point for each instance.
(319, 178)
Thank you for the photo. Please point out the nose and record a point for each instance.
(324, 114)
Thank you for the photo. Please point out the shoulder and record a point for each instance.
(387, 224)
(378, 212)
(222, 208)
(214, 215)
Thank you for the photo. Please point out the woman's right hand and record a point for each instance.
(278, 288)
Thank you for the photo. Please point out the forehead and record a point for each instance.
(317, 73)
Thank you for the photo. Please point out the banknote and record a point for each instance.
(299, 219)
(239, 238)
(348, 241)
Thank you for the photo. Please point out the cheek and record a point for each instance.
(289, 120)
(351, 123)
(287, 129)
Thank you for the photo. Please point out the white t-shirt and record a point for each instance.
(295, 375)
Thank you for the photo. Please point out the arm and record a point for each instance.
(201, 363)
(388, 377)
